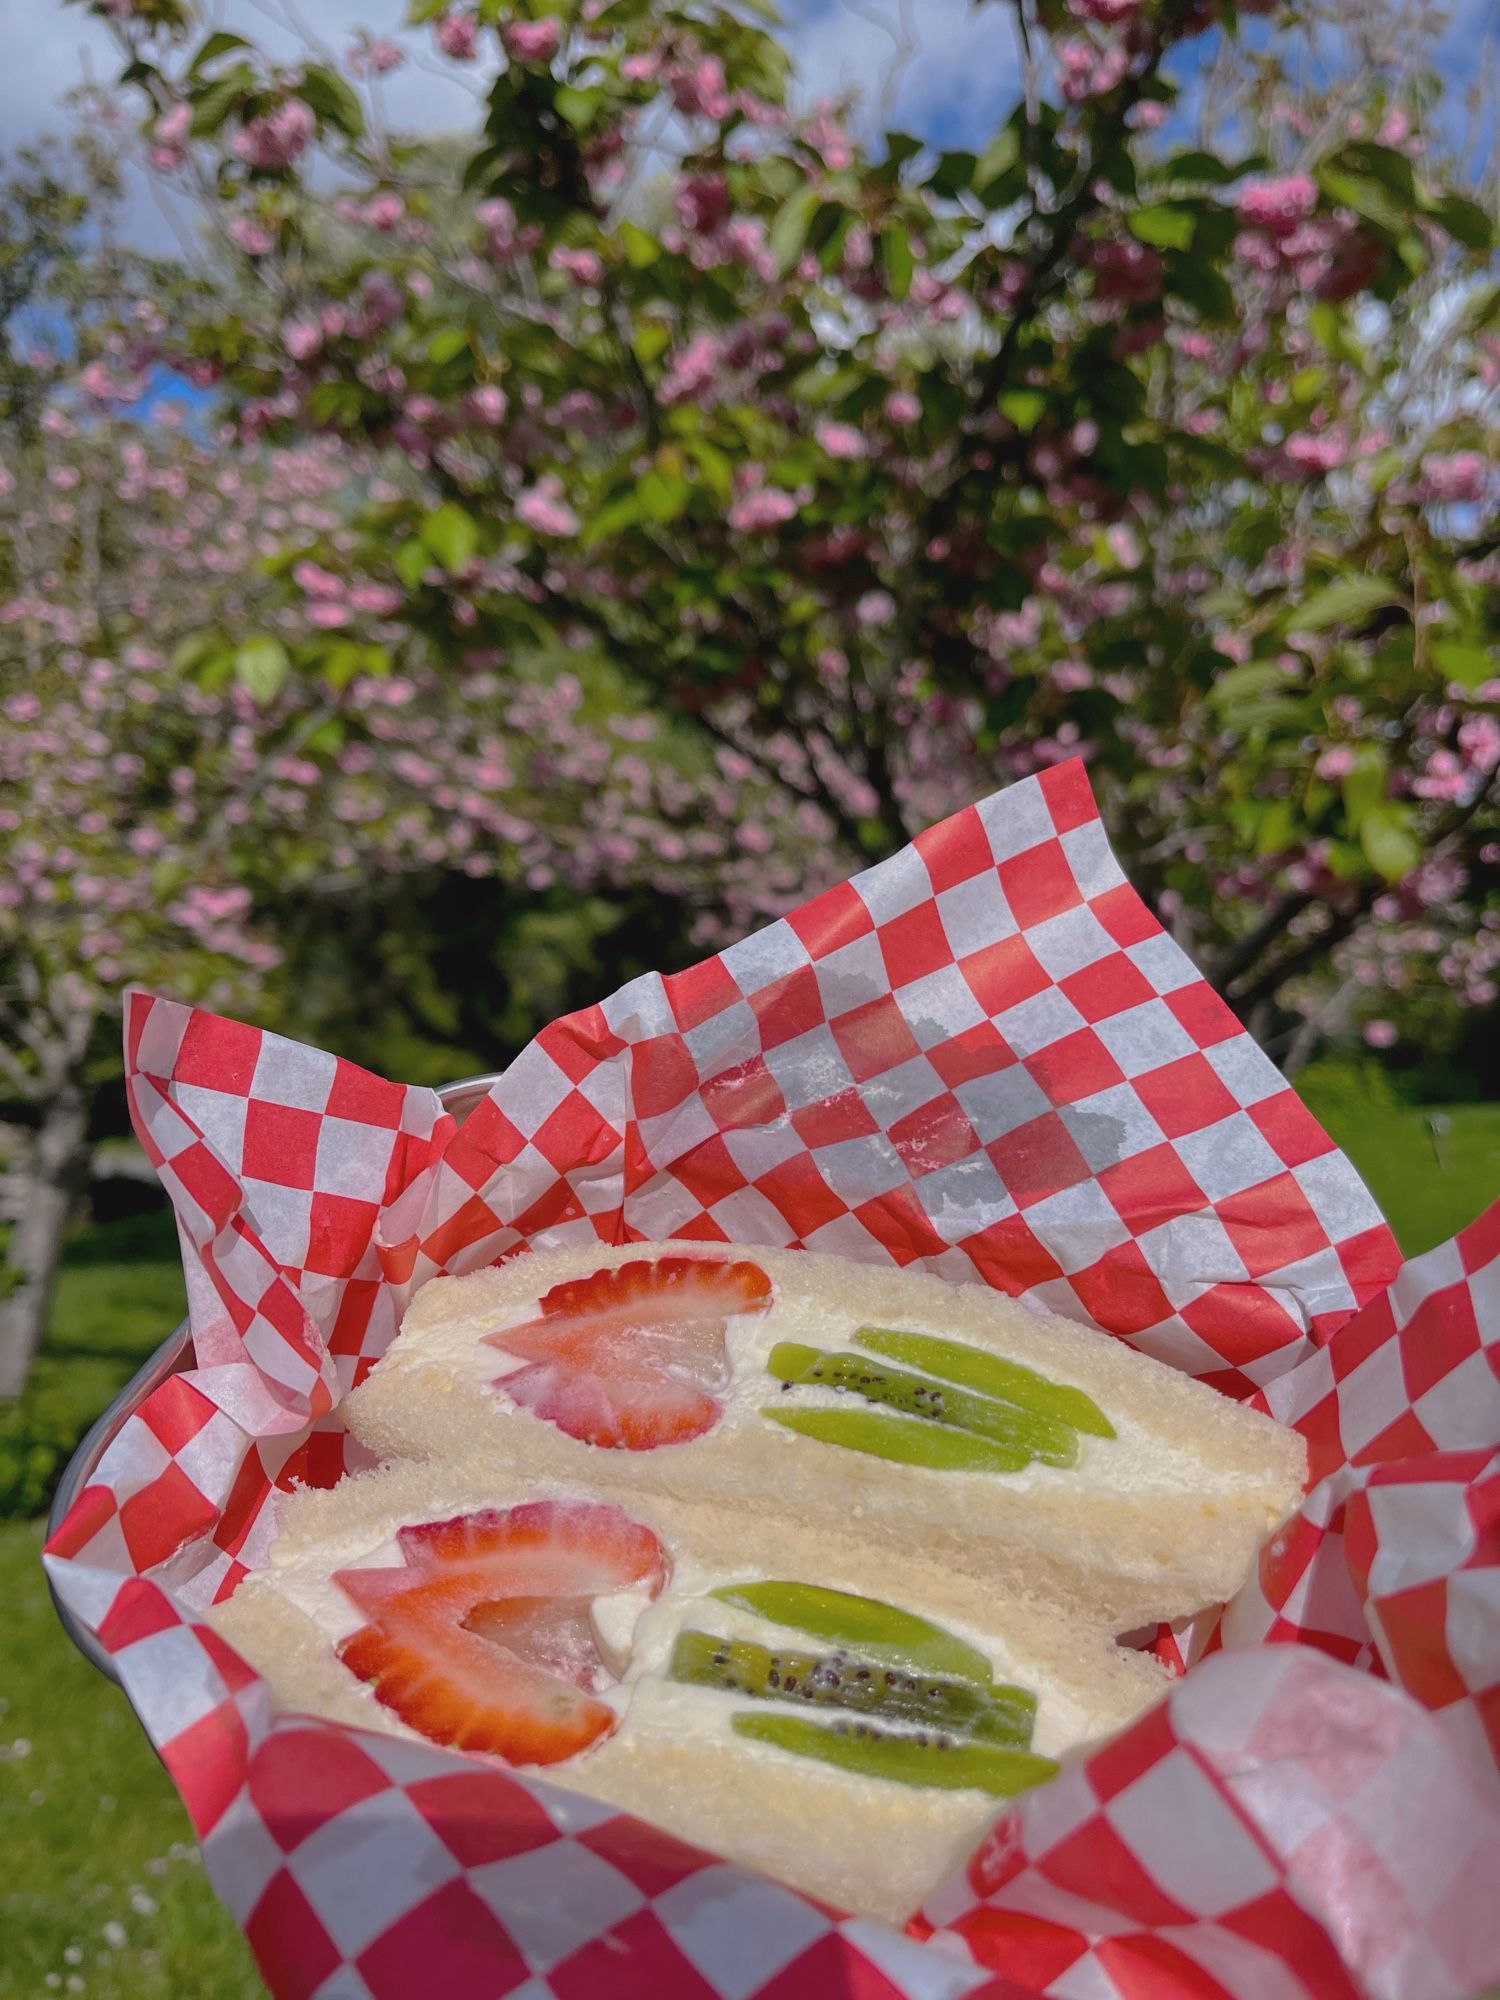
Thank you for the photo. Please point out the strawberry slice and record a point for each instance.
(631, 1358)
(553, 1632)
(482, 1639)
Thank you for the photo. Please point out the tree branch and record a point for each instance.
(1243, 953)
(1344, 924)
(1270, 982)
(1062, 221)
(26, 1083)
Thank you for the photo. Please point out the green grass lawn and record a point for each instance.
(1427, 1190)
(100, 1888)
(118, 1295)
(101, 1893)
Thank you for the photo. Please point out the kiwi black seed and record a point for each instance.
(918, 1396)
(838, 1681)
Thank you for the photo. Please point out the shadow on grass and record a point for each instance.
(150, 1237)
(100, 1892)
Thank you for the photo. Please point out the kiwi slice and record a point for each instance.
(880, 1631)
(917, 1396)
(991, 1375)
(906, 1440)
(927, 1758)
(857, 1686)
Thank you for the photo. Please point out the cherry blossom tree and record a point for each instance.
(173, 804)
(893, 472)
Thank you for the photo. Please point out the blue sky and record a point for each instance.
(942, 68)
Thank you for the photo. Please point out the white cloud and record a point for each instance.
(938, 67)
(63, 47)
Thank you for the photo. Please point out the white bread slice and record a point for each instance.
(869, 1846)
(1156, 1523)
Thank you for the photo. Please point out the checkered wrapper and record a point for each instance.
(983, 1059)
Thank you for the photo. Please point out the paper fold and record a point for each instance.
(984, 1059)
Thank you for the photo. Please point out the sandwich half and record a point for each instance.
(759, 1707)
(902, 1425)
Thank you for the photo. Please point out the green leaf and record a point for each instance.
(1383, 467)
(716, 468)
(1467, 664)
(327, 94)
(213, 104)
(999, 175)
(1001, 153)
(1412, 251)
(1247, 686)
(788, 233)
(336, 403)
(1277, 829)
(640, 249)
(662, 495)
(1349, 601)
(650, 340)
(621, 512)
(1363, 785)
(190, 653)
(1330, 328)
(216, 45)
(1370, 198)
(953, 173)
(1163, 227)
(411, 562)
(327, 739)
(1203, 288)
(1345, 861)
(1025, 408)
(1390, 846)
(578, 107)
(447, 344)
(341, 663)
(1465, 221)
(451, 535)
(1193, 165)
(896, 259)
(824, 383)
(261, 666)
(899, 148)
(1379, 163)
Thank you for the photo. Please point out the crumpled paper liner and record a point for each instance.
(982, 1058)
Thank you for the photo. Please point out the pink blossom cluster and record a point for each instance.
(152, 862)
(1296, 250)
(374, 55)
(273, 141)
(1087, 68)
(532, 41)
(457, 35)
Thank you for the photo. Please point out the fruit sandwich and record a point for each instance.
(767, 1707)
(894, 1426)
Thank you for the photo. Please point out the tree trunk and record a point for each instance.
(57, 1171)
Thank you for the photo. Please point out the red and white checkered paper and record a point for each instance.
(984, 1059)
